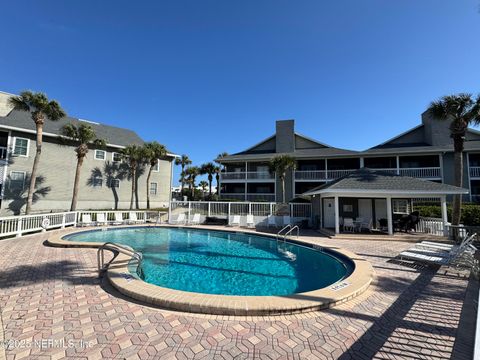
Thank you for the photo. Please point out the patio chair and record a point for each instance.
(348, 225)
(195, 220)
(438, 246)
(86, 220)
(272, 221)
(179, 220)
(132, 218)
(364, 225)
(235, 221)
(118, 219)
(250, 222)
(286, 220)
(101, 219)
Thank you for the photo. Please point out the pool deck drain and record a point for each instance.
(355, 284)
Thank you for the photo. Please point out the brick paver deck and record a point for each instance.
(54, 293)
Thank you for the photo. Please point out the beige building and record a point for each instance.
(105, 182)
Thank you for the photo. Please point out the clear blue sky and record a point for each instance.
(205, 77)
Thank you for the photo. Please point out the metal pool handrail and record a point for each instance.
(113, 246)
(290, 231)
(283, 229)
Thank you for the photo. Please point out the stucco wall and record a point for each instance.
(57, 172)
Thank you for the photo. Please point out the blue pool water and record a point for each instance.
(216, 262)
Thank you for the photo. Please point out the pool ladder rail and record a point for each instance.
(288, 229)
(115, 247)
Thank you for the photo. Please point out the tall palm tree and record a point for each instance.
(191, 174)
(183, 161)
(280, 165)
(152, 152)
(133, 154)
(208, 169)
(83, 136)
(461, 110)
(219, 169)
(203, 185)
(41, 108)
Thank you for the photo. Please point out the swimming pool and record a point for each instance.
(227, 263)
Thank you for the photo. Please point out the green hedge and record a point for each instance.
(470, 213)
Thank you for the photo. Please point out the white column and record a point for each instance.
(444, 215)
(337, 216)
(389, 216)
(326, 169)
(398, 165)
(362, 163)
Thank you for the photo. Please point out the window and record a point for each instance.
(157, 166)
(17, 180)
(116, 157)
(153, 188)
(401, 206)
(20, 147)
(97, 181)
(114, 183)
(100, 155)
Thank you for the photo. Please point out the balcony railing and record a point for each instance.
(475, 171)
(249, 196)
(249, 175)
(261, 197)
(313, 175)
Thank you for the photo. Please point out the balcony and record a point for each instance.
(259, 176)
(475, 171)
(325, 175)
(248, 197)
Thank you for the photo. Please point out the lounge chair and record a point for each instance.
(86, 220)
(132, 218)
(272, 221)
(437, 246)
(118, 219)
(179, 220)
(348, 225)
(195, 220)
(101, 220)
(235, 221)
(286, 220)
(250, 222)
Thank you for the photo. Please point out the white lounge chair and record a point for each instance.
(179, 220)
(86, 220)
(195, 220)
(101, 220)
(250, 222)
(272, 221)
(286, 220)
(348, 225)
(437, 246)
(118, 219)
(235, 221)
(132, 218)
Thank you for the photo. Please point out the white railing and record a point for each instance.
(109, 216)
(249, 175)
(426, 172)
(226, 210)
(310, 175)
(429, 225)
(388, 170)
(475, 171)
(19, 225)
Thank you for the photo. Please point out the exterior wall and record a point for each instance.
(414, 136)
(57, 171)
(437, 132)
(5, 107)
(285, 136)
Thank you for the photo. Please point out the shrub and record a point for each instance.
(470, 213)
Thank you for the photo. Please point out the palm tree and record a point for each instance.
(280, 165)
(84, 136)
(203, 184)
(209, 169)
(134, 155)
(191, 174)
(219, 169)
(41, 108)
(152, 152)
(462, 110)
(183, 161)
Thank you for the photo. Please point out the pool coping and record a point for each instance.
(120, 277)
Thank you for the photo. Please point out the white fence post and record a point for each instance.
(189, 210)
(209, 205)
(63, 221)
(250, 208)
(19, 226)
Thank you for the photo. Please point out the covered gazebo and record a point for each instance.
(372, 196)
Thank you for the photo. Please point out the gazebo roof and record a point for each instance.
(370, 181)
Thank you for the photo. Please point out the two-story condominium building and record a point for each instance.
(424, 152)
(105, 182)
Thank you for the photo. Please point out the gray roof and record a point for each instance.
(298, 154)
(111, 134)
(371, 181)
(419, 148)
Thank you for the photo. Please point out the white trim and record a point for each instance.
(97, 151)
(113, 159)
(341, 192)
(18, 171)
(15, 143)
(7, 158)
(150, 187)
(158, 167)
